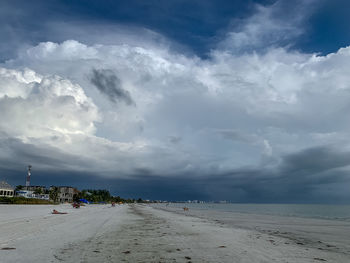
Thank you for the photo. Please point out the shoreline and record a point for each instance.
(324, 234)
(216, 207)
(141, 233)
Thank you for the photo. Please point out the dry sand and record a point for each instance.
(139, 233)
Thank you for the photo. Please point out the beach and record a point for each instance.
(151, 233)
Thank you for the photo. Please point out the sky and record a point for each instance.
(246, 101)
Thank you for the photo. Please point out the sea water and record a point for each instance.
(334, 212)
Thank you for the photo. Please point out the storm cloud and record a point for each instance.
(254, 119)
(108, 83)
(292, 181)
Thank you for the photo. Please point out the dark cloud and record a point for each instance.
(110, 85)
(235, 135)
(174, 139)
(315, 160)
(16, 155)
(305, 176)
(314, 175)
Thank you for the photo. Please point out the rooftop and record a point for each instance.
(4, 185)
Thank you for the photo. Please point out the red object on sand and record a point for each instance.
(55, 212)
(76, 205)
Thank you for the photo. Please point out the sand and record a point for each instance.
(141, 233)
(330, 235)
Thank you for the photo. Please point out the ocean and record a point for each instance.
(332, 212)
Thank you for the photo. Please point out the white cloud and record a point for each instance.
(35, 106)
(271, 26)
(278, 96)
(267, 103)
(68, 50)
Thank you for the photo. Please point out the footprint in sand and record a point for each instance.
(320, 259)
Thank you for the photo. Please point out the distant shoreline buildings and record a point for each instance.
(6, 190)
(61, 194)
(64, 193)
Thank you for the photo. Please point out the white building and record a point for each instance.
(30, 194)
(25, 193)
(65, 193)
(6, 190)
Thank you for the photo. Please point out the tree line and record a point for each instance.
(91, 195)
(101, 196)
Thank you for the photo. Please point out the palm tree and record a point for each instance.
(19, 187)
(54, 191)
(38, 191)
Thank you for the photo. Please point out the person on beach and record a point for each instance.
(55, 212)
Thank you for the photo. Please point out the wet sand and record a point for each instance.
(140, 233)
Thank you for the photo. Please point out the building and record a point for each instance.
(32, 194)
(36, 188)
(6, 189)
(33, 191)
(66, 193)
(25, 193)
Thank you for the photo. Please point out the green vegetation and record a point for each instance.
(54, 191)
(19, 187)
(94, 196)
(91, 195)
(22, 200)
(38, 191)
(101, 196)
(118, 199)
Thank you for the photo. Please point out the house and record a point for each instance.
(66, 193)
(6, 189)
(25, 193)
(35, 188)
(32, 194)
(33, 191)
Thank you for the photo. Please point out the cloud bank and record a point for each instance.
(257, 120)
